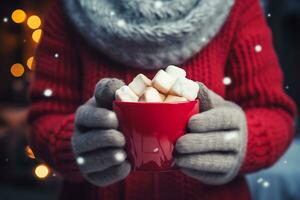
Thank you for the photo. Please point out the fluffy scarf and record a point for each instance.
(148, 34)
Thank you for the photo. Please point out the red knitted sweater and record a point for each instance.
(65, 81)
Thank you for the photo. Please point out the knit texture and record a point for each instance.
(148, 34)
(214, 147)
(256, 86)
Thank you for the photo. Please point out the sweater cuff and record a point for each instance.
(257, 145)
(62, 155)
(269, 134)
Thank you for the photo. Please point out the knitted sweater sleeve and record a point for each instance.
(55, 95)
(257, 86)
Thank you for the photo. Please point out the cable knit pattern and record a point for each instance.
(242, 50)
(168, 34)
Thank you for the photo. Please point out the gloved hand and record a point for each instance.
(214, 148)
(96, 142)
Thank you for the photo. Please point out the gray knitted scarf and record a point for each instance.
(148, 34)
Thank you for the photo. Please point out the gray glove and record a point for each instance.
(213, 150)
(96, 142)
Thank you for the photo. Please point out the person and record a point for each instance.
(91, 48)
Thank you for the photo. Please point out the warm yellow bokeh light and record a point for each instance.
(36, 35)
(41, 171)
(34, 22)
(30, 63)
(18, 16)
(29, 152)
(17, 70)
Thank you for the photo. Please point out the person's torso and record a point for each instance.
(209, 67)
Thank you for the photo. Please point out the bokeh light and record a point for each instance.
(36, 35)
(30, 62)
(34, 22)
(18, 16)
(29, 152)
(17, 70)
(41, 171)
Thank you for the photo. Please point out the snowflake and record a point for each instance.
(5, 19)
(121, 23)
(80, 160)
(158, 4)
(48, 92)
(260, 180)
(269, 15)
(120, 156)
(258, 48)
(265, 184)
(227, 81)
(56, 55)
(287, 87)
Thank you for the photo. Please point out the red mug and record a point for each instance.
(151, 130)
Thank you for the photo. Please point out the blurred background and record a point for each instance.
(23, 175)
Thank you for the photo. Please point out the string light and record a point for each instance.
(36, 35)
(30, 62)
(41, 171)
(17, 70)
(18, 16)
(29, 152)
(34, 22)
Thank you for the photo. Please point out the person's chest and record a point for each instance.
(208, 67)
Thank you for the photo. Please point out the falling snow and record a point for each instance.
(260, 180)
(269, 15)
(120, 156)
(227, 81)
(5, 19)
(265, 184)
(48, 92)
(158, 4)
(121, 23)
(258, 48)
(80, 160)
(287, 87)
(56, 55)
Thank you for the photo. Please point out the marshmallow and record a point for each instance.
(175, 71)
(126, 94)
(162, 81)
(171, 98)
(151, 95)
(139, 84)
(185, 88)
